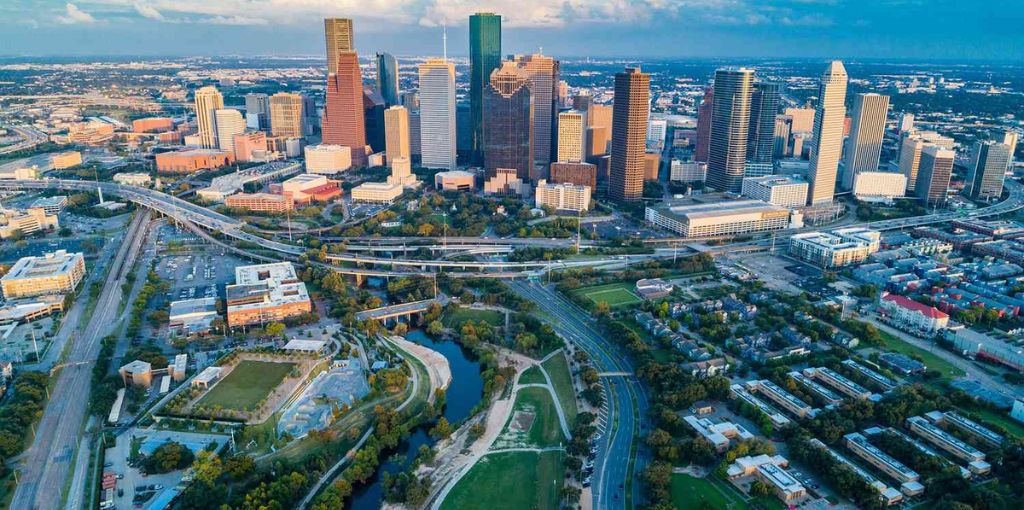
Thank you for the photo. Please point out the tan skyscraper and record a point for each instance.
(396, 134)
(229, 123)
(629, 134)
(572, 136)
(829, 119)
(543, 73)
(933, 176)
(287, 115)
(599, 130)
(208, 101)
(864, 146)
(339, 40)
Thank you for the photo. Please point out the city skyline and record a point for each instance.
(739, 29)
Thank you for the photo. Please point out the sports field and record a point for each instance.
(510, 480)
(615, 294)
(247, 384)
(691, 492)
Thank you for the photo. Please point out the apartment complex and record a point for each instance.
(562, 197)
(836, 249)
(912, 315)
(266, 293)
(59, 272)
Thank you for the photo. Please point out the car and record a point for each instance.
(108, 464)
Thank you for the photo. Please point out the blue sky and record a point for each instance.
(912, 29)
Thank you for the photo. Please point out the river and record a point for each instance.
(464, 393)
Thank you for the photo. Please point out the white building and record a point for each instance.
(377, 192)
(883, 186)
(781, 190)
(455, 180)
(562, 197)
(437, 114)
(913, 315)
(839, 248)
(656, 131)
(829, 120)
(719, 218)
(401, 172)
(229, 123)
(690, 171)
(328, 159)
(718, 434)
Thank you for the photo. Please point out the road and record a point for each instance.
(626, 399)
(49, 460)
(30, 138)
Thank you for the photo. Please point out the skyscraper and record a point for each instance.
(543, 73)
(343, 122)
(828, 134)
(387, 78)
(988, 170)
(508, 122)
(572, 136)
(287, 115)
(229, 123)
(910, 158)
(864, 146)
(764, 105)
(730, 125)
(484, 57)
(1010, 139)
(208, 100)
(783, 127)
(629, 131)
(396, 126)
(704, 126)
(933, 175)
(338, 33)
(257, 111)
(373, 118)
(599, 130)
(437, 114)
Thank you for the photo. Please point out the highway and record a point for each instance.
(30, 138)
(50, 457)
(626, 399)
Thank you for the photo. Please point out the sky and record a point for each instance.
(948, 30)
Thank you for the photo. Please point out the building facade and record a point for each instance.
(764, 105)
(229, 124)
(562, 197)
(988, 170)
(864, 146)
(508, 122)
(59, 272)
(934, 172)
(437, 114)
(207, 101)
(396, 133)
(572, 136)
(781, 190)
(484, 58)
(287, 115)
(730, 125)
(829, 119)
(387, 78)
(343, 120)
(629, 133)
(339, 36)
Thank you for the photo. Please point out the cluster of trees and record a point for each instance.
(413, 288)
(19, 411)
(491, 291)
(169, 456)
(154, 286)
(475, 337)
(840, 477)
(104, 387)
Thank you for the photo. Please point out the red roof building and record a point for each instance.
(909, 314)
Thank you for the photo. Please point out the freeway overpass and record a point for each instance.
(388, 312)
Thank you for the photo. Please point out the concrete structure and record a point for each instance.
(328, 159)
(719, 218)
(179, 368)
(629, 131)
(581, 174)
(262, 202)
(287, 115)
(912, 315)
(252, 146)
(769, 470)
(59, 272)
(780, 190)
(266, 293)
(657, 129)
(988, 170)
(730, 125)
(506, 181)
(680, 171)
(50, 205)
(192, 316)
(542, 72)
(437, 114)
(222, 186)
(343, 120)
(29, 221)
(68, 159)
(839, 248)
(879, 185)
(599, 131)
(933, 175)
(508, 130)
(839, 382)
(396, 133)
(192, 160)
(864, 145)
(376, 192)
(907, 477)
(572, 136)
(484, 58)
(401, 173)
(947, 442)
(28, 310)
(207, 377)
(137, 373)
(562, 197)
(207, 101)
(828, 134)
(229, 123)
(777, 418)
(306, 188)
(782, 398)
(887, 494)
(454, 180)
(339, 36)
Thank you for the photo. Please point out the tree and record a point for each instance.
(275, 329)
(442, 430)
(168, 457)
(435, 328)
(207, 467)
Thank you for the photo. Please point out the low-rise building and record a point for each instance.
(262, 202)
(718, 434)
(777, 418)
(52, 205)
(192, 160)
(455, 180)
(690, 171)
(950, 444)
(306, 188)
(902, 364)
(836, 380)
(266, 293)
(562, 197)
(836, 249)
(28, 310)
(29, 173)
(782, 398)
(153, 125)
(912, 315)
(653, 288)
(859, 445)
(29, 221)
(133, 178)
(59, 272)
(506, 181)
(68, 159)
(178, 369)
(769, 470)
(887, 494)
(377, 192)
(328, 159)
(780, 190)
(138, 373)
(730, 217)
(880, 186)
(207, 377)
(882, 381)
(192, 316)
(966, 425)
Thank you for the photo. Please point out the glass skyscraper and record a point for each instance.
(484, 57)
(387, 78)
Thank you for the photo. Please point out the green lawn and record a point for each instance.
(455, 317)
(544, 430)
(512, 481)
(532, 375)
(690, 492)
(246, 385)
(561, 379)
(996, 418)
(932, 361)
(615, 294)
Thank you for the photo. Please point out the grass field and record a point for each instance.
(995, 418)
(532, 375)
(561, 379)
(690, 492)
(512, 481)
(933, 361)
(249, 382)
(455, 317)
(545, 430)
(615, 294)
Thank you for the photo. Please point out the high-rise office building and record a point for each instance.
(730, 125)
(437, 114)
(373, 118)
(208, 100)
(599, 130)
(287, 115)
(1010, 139)
(338, 32)
(508, 122)
(988, 170)
(910, 158)
(764, 105)
(581, 102)
(864, 146)
(409, 99)
(630, 111)
(803, 119)
(396, 126)
(414, 132)
(229, 123)
(387, 78)
(484, 58)
(829, 118)
(783, 128)
(343, 122)
(572, 136)
(257, 111)
(933, 175)
(704, 126)
(543, 73)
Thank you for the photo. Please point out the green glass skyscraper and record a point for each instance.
(484, 57)
(387, 78)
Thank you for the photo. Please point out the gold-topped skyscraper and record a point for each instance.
(339, 40)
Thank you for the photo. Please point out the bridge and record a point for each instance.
(405, 309)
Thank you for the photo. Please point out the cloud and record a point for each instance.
(233, 20)
(73, 15)
(148, 11)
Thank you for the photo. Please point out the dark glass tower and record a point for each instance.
(508, 122)
(387, 78)
(730, 120)
(761, 133)
(484, 57)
